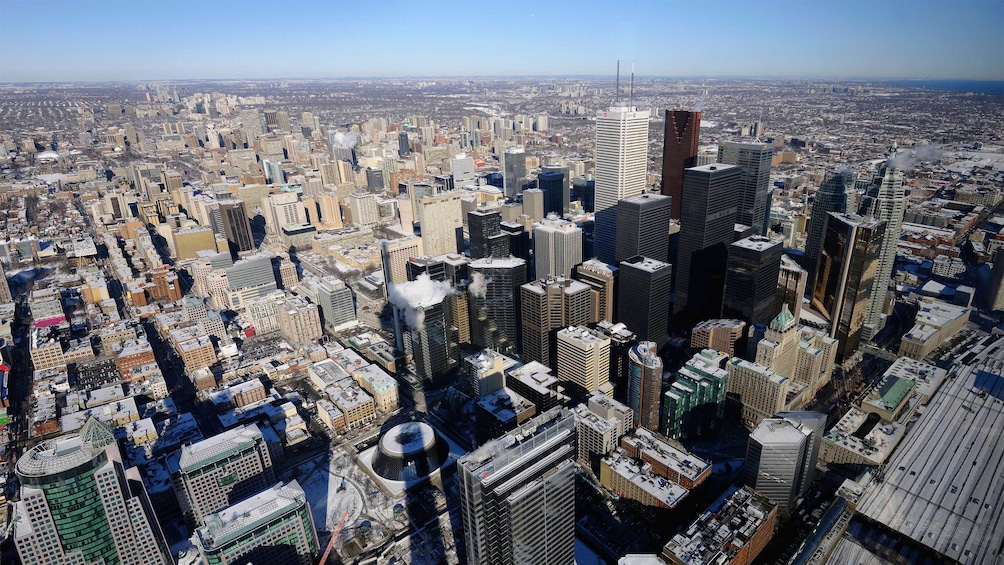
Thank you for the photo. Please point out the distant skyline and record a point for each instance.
(63, 40)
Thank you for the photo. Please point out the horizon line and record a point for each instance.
(791, 78)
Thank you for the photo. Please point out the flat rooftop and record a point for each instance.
(942, 485)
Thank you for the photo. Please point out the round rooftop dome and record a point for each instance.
(409, 451)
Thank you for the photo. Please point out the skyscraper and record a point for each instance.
(847, 268)
(557, 247)
(781, 456)
(334, 298)
(79, 504)
(216, 472)
(236, 226)
(643, 227)
(645, 384)
(885, 201)
(514, 169)
(547, 305)
(494, 303)
(394, 255)
(403, 146)
(643, 296)
(440, 215)
(600, 278)
(751, 279)
(487, 239)
(707, 227)
(517, 494)
(273, 526)
(584, 361)
(754, 183)
(679, 152)
(621, 165)
(566, 187)
(835, 194)
(552, 184)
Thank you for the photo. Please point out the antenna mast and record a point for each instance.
(617, 95)
(631, 91)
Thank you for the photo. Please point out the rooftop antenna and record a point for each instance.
(631, 91)
(617, 96)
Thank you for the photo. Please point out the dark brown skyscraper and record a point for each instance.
(679, 151)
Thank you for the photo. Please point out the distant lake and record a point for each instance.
(981, 86)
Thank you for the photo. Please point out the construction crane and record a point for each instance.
(334, 534)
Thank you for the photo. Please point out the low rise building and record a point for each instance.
(733, 531)
(635, 481)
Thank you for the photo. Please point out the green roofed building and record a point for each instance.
(273, 526)
(79, 505)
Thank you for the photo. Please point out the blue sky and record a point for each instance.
(113, 40)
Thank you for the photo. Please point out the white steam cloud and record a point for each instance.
(479, 286)
(907, 158)
(345, 140)
(411, 296)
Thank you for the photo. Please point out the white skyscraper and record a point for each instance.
(884, 200)
(621, 164)
(440, 216)
(557, 247)
(283, 209)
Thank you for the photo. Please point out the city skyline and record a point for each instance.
(938, 40)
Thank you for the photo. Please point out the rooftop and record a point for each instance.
(663, 490)
(719, 533)
(245, 516)
(66, 452)
(757, 243)
(645, 263)
(941, 485)
(219, 446)
(684, 463)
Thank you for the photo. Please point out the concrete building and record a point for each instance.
(635, 481)
(557, 247)
(395, 255)
(884, 200)
(600, 277)
(720, 335)
(584, 360)
(547, 305)
(936, 323)
(761, 392)
(517, 494)
(273, 526)
(188, 242)
(643, 298)
(733, 531)
(79, 504)
(299, 322)
(216, 472)
(338, 309)
(621, 166)
(440, 216)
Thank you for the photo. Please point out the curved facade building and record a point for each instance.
(80, 505)
(409, 452)
(645, 384)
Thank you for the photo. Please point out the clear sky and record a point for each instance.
(51, 40)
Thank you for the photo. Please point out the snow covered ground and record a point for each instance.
(329, 491)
